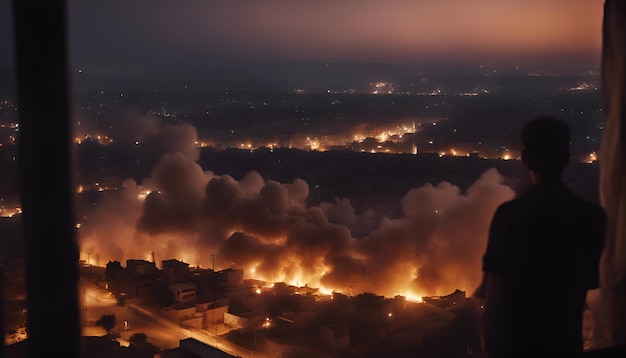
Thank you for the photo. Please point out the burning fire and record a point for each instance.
(9, 212)
(267, 229)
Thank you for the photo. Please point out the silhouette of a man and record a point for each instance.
(542, 256)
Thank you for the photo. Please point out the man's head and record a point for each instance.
(546, 143)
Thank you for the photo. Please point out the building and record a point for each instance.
(213, 311)
(141, 267)
(175, 271)
(203, 278)
(144, 278)
(183, 292)
(335, 335)
(233, 278)
(190, 347)
(404, 336)
(185, 314)
(296, 320)
(243, 320)
(456, 298)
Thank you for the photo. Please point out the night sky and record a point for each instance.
(159, 33)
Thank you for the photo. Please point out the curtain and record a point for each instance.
(610, 308)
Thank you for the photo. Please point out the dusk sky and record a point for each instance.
(180, 33)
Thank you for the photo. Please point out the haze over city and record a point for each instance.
(170, 35)
(127, 44)
(351, 147)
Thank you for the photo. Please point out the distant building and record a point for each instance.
(175, 271)
(335, 335)
(404, 336)
(190, 347)
(456, 298)
(185, 314)
(213, 311)
(278, 346)
(144, 278)
(244, 319)
(417, 332)
(296, 320)
(283, 288)
(183, 292)
(204, 278)
(232, 277)
(306, 290)
(141, 267)
(254, 301)
(93, 347)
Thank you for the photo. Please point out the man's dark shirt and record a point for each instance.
(545, 246)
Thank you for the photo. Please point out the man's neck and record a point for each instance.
(538, 178)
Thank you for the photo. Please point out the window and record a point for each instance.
(351, 177)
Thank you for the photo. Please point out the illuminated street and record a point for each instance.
(161, 332)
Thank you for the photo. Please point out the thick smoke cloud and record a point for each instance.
(266, 228)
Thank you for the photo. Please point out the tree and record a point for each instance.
(138, 338)
(107, 321)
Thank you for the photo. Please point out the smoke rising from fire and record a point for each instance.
(266, 228)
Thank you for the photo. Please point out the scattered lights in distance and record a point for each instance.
(590, 158)
(100, 138)
(9, 212)
(412, 297)
(111, 186)
(583, 86)
(383, 88)
(475, 92)
(202, 144)
(143, 194)
(396, 139)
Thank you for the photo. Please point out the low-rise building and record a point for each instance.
(233, 278)
(183, 292)
(335, 335)
(185, 314)
(141, 267)
(243, 320)
(212, 311)
(456, 298)
(175, 271)
(190, 347)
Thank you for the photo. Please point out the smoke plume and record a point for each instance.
(265, 227)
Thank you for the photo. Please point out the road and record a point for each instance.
(161, 331)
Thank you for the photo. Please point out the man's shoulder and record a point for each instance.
(569, 201)
(586, 206)
(510, 206)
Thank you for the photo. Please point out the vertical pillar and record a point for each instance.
(45, 166)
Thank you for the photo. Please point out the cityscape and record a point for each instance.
(296, 234)
(330, 207)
